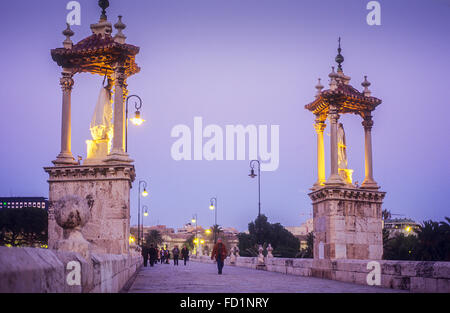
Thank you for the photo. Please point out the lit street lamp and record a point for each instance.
(213, 207)
(144, 214)
(136, 120)
(195, 220)
(144, 194)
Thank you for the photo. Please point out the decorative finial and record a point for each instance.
(120, 37)
(339, 58)
(366, 85)
(319, 88)
(333, 82)
(68, 44)
(103, 4)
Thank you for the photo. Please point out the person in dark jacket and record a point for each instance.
(176, 254)
(153, 253)
(145, 255)
(161, 255)
(219, 253)
(185, 254)
(167, 255)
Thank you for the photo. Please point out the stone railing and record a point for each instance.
(412, 276)
(33, 270)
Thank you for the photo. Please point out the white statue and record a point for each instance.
(101, 128)
(344, 171)
(233, 255)
(261, 256)
(342, 147)
(269, 251)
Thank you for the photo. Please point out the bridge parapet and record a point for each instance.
(33, 270)
(412, 276)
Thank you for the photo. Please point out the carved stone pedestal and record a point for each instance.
(106, 189)
(347, 223)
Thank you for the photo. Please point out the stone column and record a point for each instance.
(335, 178)
(320, 127)
(65, 157)
(368, 182)
(118, 153)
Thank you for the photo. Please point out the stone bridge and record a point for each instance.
(52, 271)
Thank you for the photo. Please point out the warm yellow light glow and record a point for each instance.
(193, 220)
(408, 229)
(211, 207)
(346, 174)
(137, 121)
(196, 240)
(208, 231)
(132, 239)
(145, 193)
(145, 213)
(202, 241)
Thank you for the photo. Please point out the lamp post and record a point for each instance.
(144, 194)
(213, 207)
(195, 220)
(253, 175)
(144, 211)
(137, 120)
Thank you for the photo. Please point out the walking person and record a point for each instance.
(176, 254)
(145, 255)
(161, 253)
(167, 255)
(185, 254)
(158, 257)
(153, 253)
(219, 253)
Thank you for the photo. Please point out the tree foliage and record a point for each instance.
(284, 243)
(153, 237)
(23, 227)
(432, 243)
(308, 252)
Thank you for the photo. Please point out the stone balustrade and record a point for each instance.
(412, 276)
(32, 270)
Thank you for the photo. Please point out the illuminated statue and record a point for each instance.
(342, 147)
(344, 172)
(101, 128)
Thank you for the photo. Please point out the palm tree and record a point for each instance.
(429, 241)
(216, 229)
(153, 237)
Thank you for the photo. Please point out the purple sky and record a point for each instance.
(239, 62)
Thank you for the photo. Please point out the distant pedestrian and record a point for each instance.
(176, 254)
(161, 253)
(185, 254)
(219, 253)
(167, 255)
(145, 255)
(153, 253)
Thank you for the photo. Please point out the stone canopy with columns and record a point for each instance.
(103, 182)
(339, 99)
(347, 217)
(102, 54)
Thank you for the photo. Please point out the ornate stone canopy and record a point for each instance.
(97, 54)
(346, 98)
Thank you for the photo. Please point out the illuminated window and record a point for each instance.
(39, 205)
(34, 204)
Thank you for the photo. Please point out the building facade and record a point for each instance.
(23, 202)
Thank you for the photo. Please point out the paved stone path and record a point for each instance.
(202, 278)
